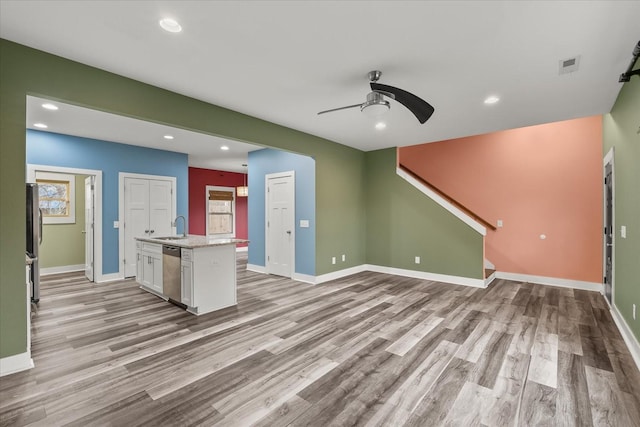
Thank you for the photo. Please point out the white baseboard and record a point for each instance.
(334, 275)
(16, 363)
(551, 281)
(445, 278)
(242, 248)
(627, 335)
(339, 274)
(62, 269)
(257, 268)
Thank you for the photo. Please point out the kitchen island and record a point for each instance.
(198, 272)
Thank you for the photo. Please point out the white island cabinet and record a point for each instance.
(149, 266)
(207, 270)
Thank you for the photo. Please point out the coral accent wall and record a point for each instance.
(198, 181)
(539, 180)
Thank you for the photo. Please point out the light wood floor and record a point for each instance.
(370, 349)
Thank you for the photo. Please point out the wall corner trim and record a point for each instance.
(257, 268)
(462, 216)
(627, 334)
(16, 363)
(550, 281)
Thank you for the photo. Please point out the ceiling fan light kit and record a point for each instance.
(376, 103)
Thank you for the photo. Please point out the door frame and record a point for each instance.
(121, 210)
(609, 159)
(97, 206)
(267, 177)
(90, 235)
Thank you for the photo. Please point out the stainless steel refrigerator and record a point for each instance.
(34, 238)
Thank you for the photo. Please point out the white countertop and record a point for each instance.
(192, 241)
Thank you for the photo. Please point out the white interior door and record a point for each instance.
(89, 203)
(136, 219)
(280, 237)
(160, 208)
(89, 207)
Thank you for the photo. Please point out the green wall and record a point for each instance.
(620, 129)
(25, 71)
(403, 224)
(63, 244)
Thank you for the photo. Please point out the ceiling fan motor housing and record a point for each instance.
(375, 104)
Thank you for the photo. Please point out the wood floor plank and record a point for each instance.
(572, 404)
(607, 401)
(538, 407)
(367, 349)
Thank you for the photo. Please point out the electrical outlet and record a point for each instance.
(634, 312)
(344, 257)
(499, 223)
(417, 260)
(333, 260)
(116, 224)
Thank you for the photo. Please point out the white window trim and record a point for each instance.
(231, 235)
(71, 179)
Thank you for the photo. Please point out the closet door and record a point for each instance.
(136, 219)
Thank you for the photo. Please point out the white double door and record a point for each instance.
(148, 212)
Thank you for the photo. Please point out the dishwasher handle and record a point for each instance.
(171, 251)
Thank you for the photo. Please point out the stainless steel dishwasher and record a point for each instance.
(171, 273)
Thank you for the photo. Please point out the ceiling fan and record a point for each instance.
(376, 102)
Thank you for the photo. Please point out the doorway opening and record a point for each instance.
(87, 220)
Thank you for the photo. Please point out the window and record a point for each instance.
(221, 211)
(56, 197)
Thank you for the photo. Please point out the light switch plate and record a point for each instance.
(116, 224)
(623, 231)
(304, 223)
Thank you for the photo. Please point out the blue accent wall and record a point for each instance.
(267, 161)
(52, 149)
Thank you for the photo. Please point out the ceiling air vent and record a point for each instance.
(569, 65)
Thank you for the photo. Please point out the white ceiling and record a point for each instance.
(284, 61)
(204, 150)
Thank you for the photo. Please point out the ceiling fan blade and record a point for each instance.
(419, 107)
(341, 108)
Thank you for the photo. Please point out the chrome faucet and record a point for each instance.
(184, 225)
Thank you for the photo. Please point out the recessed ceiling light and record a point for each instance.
(49, 106)
(170, 25)
(380, 125)
(491, 100)
(224, 148)
(168, 137)
(40, 125)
